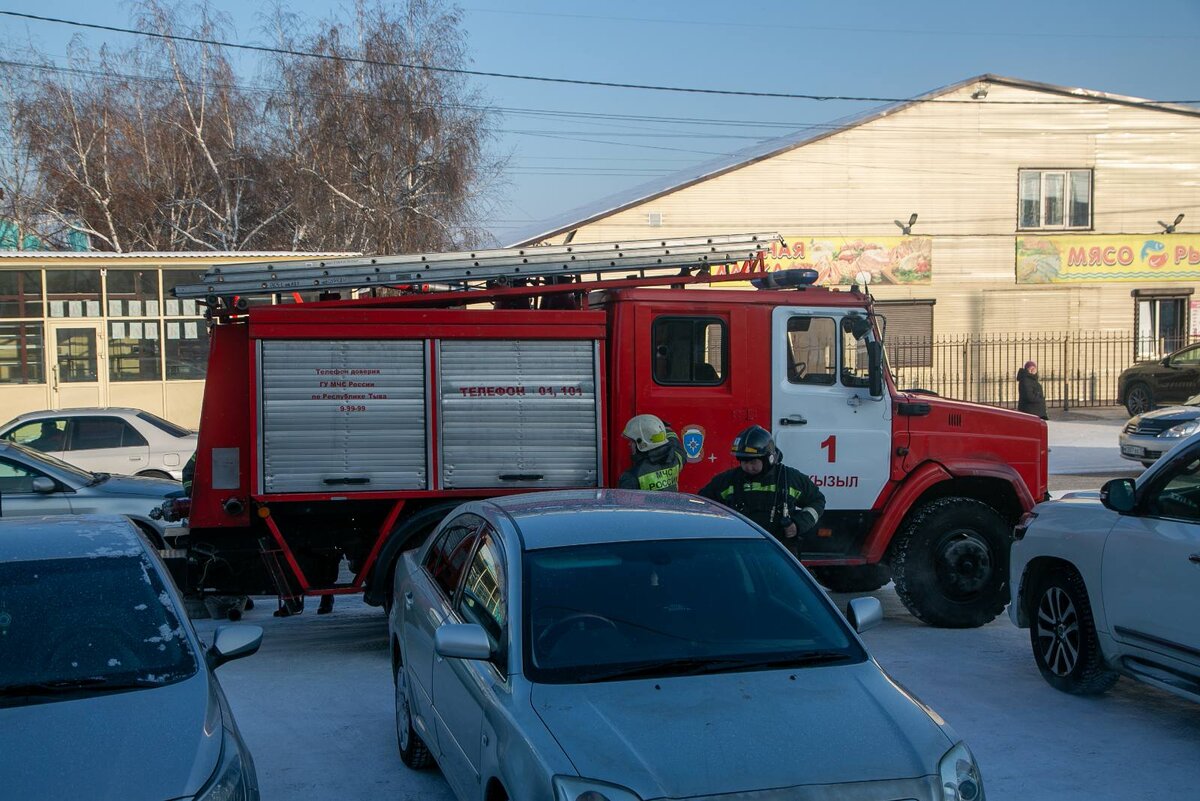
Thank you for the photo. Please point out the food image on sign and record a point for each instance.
(1107, 257)
(844, 261)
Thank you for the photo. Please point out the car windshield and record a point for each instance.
(87, 625)
(165, 425)
(46, 459)
(673, 607)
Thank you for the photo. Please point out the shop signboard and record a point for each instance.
(1076, 258)
(845, 261)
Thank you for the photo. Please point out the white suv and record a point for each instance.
(113, 440)
(1108, 583)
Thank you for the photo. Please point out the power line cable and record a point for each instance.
(579, 116)
(537, 78)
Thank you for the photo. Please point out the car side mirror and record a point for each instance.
(864, 613)
(1119, 495)
(1166, 361)
(462, 641)
(44, 485)
(233, 642)
(875, 369)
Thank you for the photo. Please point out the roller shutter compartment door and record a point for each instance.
(343, 416)
(518, 414)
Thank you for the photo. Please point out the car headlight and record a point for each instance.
(1182, 430)
(574, 788)
(233, 780)
(960, 775)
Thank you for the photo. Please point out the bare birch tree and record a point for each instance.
(162, 146)
(385, 158)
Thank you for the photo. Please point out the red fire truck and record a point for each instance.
(350, 426)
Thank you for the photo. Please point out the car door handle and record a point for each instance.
(1195, 558)
(408, 600)
(793, 420)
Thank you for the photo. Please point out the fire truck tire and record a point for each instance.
(950, 563)
(852, 578)
(409, 533)
(413, 751)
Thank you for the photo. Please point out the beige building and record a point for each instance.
(102, 329)
(1036, 207)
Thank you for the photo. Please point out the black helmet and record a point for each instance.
(754, 443)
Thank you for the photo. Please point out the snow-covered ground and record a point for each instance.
(1086, 442)
(315, 707)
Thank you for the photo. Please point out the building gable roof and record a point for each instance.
(769, 148)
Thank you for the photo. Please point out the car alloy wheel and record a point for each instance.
(1058, 631)
(403, 713)
(1139, 400)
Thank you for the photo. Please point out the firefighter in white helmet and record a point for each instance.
(658, 456)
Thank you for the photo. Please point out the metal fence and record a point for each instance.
(1077, 368)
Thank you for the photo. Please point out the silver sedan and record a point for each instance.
(625, 646)
(36, 484)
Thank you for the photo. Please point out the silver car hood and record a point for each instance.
(741, 732)
(160, 743)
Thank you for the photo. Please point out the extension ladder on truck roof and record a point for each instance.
(459, 269)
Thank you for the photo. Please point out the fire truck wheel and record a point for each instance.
(950, 563)
(413, 751)
(852, 578)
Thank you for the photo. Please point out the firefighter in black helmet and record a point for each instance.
(779, 498)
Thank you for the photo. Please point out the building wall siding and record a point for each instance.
(955, 164)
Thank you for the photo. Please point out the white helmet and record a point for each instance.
(646, 431)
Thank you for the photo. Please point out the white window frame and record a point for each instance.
(1065, 173)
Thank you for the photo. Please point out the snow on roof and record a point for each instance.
(657, 187)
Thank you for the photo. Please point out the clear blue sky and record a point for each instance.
(1149, 49)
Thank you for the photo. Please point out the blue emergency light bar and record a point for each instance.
(785, 279)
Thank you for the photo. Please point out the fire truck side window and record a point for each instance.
(812, 358)
(447, 559)
(689, 350)
(855, 364)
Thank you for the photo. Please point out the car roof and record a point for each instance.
(77, 412)
(28, 539)
(588, 517)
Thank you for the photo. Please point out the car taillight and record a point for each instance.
(1023, 525)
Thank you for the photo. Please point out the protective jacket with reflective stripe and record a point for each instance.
(657, 469)
(763, 498)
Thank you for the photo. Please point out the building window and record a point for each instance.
(22, 354)
(186, 341)
(1160, 320)
(1050, 199)
(73, 293)
(133, 350)
(186, 349)
(907, 331)
(20, 293)
(132, 293)
(689, 350)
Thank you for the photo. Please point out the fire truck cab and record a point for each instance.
(350, 428)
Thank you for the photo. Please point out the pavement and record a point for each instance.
(1084, 452)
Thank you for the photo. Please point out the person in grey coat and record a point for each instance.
(1031, 399)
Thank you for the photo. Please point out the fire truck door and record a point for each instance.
(822, 414)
